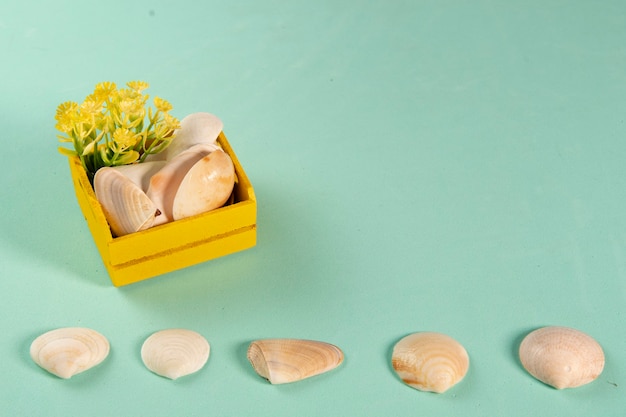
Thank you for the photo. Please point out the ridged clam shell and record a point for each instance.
(561, 356)
(165, 183)
(430, 361)
(125, 205)
(68, 351)
(206, 186)
(141, 173)
(196, 128)
(174, 353)
(289, 360)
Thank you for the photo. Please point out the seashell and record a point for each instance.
(206, 186)
(561, 357)
(430, 361)
(68, 351)
(165, 183)
(174, 353)
(196, 128)
(141, 173)
(126, 207)
(289, 360)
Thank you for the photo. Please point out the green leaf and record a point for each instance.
(67, 152)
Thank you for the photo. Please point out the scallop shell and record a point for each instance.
(561, 357)
(289, 360)
(68, 351)
(126, 207)
(430, 361)
(174, 353)
(206, 186)
(196, 128)
(165, 183)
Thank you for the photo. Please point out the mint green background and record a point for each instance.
(419, 165)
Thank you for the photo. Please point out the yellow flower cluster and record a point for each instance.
(112, 126)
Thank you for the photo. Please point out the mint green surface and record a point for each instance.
(450, 166)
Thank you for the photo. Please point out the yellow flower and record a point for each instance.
(162, 105)
(65, 109)
(171, 122)
(104, 90)
(90, 106)
(161, 131)
(95, 98)
(124, 138)
(126, 93)
(116, 117)
(83, 124)
(138, 86)
(65, 125)
(65, 116)
(131, 106)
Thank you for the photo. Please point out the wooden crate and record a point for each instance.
(168, 247)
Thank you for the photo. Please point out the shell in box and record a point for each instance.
(172, 246)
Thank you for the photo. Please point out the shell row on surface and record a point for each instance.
(560, 357)
(175, 353)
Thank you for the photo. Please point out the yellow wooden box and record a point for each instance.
(168, 247)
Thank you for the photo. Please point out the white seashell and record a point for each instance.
(125, 205)
(206, 186)
(141, 173)
(289, 360)
(165, 183)
(174, 353)
(561, 357)
(68, 351)
(430, 361)
(196, 128)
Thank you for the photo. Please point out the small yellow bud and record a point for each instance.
(171, 122)
(138, 86)
(162, 105)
